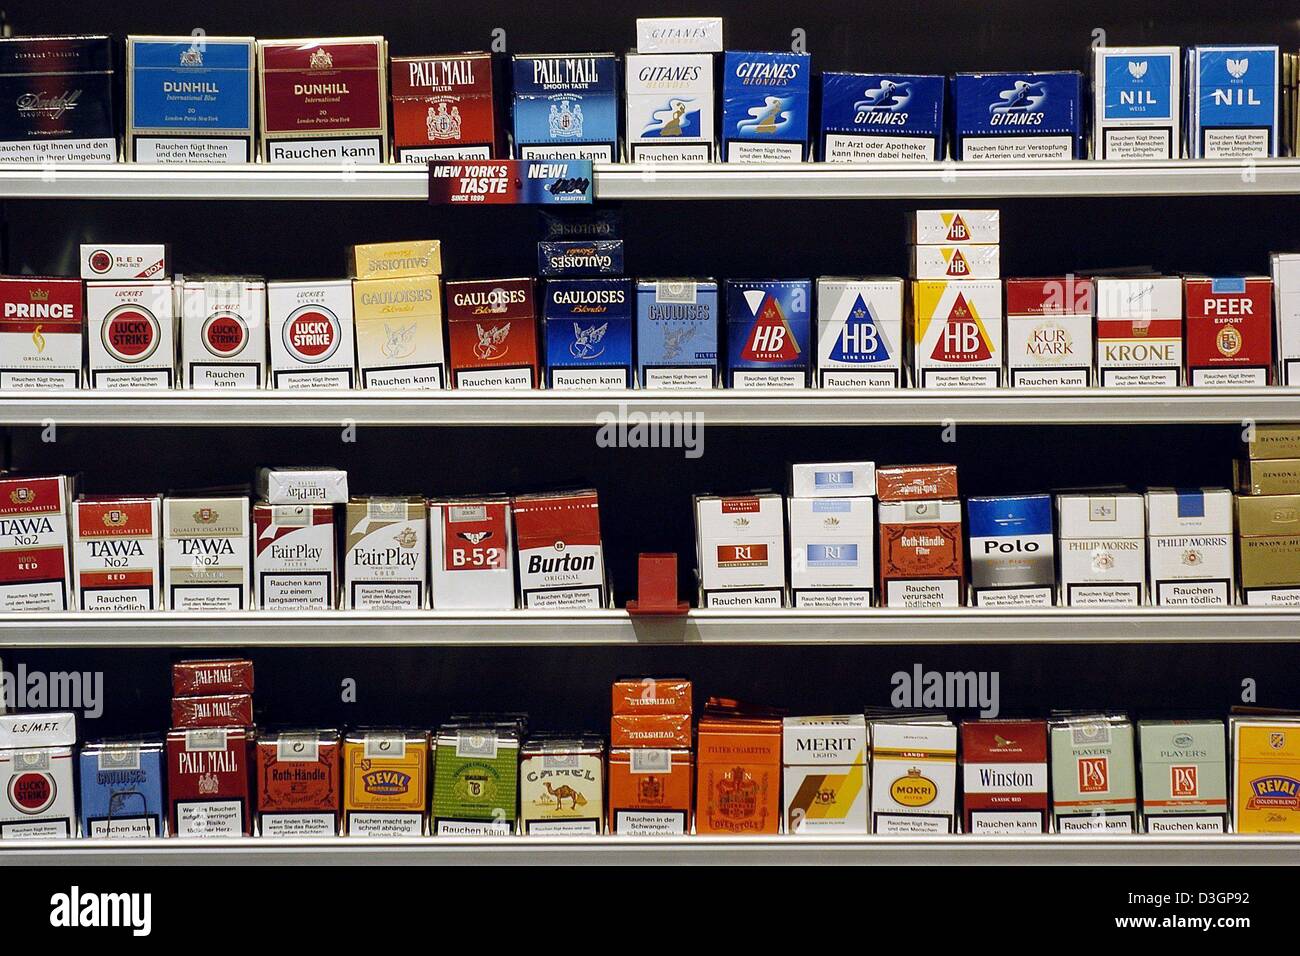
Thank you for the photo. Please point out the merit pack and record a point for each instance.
(1137, 102)
(1184, 776)
(35, 570)
(1190, 540)
(1103, 549)
(670, 108)
(677, 333)
(561, 561)
(588, 326)
(492, 333)
(824, 762)
(1139, 331)
(769, 332)
(310, 325)
(37, 793)
(1012, 561)
(223, 333)
(1094, 781)
(57, 93)
(41, 331)
(1232, 101)
(873, 117)
(1049, 332)
(765, 107)
(207, 560)
(741, 550)
(566, 106)
(957, 333)
(443, 108)
(472, 554)
(131, 334)
(116, 545)
(1004, 776)
(859, 333)
(1229, 330)
(1018, 116)
(293, 556)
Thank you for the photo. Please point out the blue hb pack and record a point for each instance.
(677, 333)
(874, 117)
(566, 106)
(1232, 102)
(588, 333)
(1018, 116)
(1013, 563)
(1136, 103)
(765, 107)
(600, 257)
(189, 99)
(769, 332)
(122, 788)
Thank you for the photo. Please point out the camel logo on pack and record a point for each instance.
(860, 339)
(1094, 775)
(770, 339)
(1182, 781)
(588, 343)
(491, 341)
(963, 338)
(559, 795)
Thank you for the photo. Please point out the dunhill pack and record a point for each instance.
(1286, 308)
(1004, 776)
(299, 783)
(210, 781)
(385, 782)
(957, 333)
(122, 789)
(223, 333)
(1018, 116)
(589, 333)
(561, 562)
(1137, 102)
(1094, 785)
(311, 331)
(472, 554)
(670, 108)
(566, 106)
(882, 117)
(769, 332)
(37, 793)
(832, 552)
(824, 763)
(207, 560)
(1232, 101)
(1103, 549)
(35, 571)
(677, 333)
(765, 107)
(443, 108)
(1191, 545)
(1140, 331)
(41, 331)
(492, 331)
(1012, 560)
(131, 334)
(741, 550)
(859, 333)
(1184, 776)
(399, 332)
(386, 554)
(1229, 330)
(1049, 332)
(913, 776)
(58, 96)
(294, 556)
(116, 546)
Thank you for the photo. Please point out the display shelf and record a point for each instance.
(712, 181)
(947, 850)
(716, 407)
(575, 628)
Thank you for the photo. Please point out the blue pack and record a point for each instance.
(1018, 116)
(588, 326)
(765, 107)
(122, 788)
(566, 106)
(1137, 102)
(1232, 102)
(571, 258)
(769, 332)
(677, 333)
(875, 117)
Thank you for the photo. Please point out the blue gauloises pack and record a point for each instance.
(122, 788)
(1232, 94)
(189, 99)
(1136, 104)
(878, 117)
(1018, 116)
(588, 333)
(765, 107)
(677, 333)
(573, 258)
(566, 106)
(581, 222)
(769, 333)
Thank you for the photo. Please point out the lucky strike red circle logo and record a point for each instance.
(100, 262)
(312, 334)
(130, 333)
(31, 792)
(224, 334)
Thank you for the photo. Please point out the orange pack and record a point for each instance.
(649, 792)
(650, 730)
(652, 695)
(738, 788)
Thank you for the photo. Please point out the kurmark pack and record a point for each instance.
(58, 96)
(385, 782)
(131, 334)
(1137, 102)
(475, 780)
(223, 333)
(386, 554)
(882, 117)
(399, 332)
(302, 485)
(472, 554)
(1103, 549)
(1012, 562)
(209, 781)
(944, 227)
(589, 333)
(824, 762)
(1286, 308)
(1268, 528)
(670, 108)
(37, 794)
(921, 554)
(561, 562)
(1184, 776)
(294, 556)
(738, 788)
(41, 330)
(956, 262)
(957, 333)
(913, 776)
(769, 333)
(1049, 332)
(299, 783)
(1229, 330)
(1190, 541)
(566, 106)
(1265, 774)
(443, 108)
(677, 333)
(860, 333)
(1004, 776)
(492, 331)
(741, 550)
(1094, 785)
(207, 558)
(562, 785)
(765, 111)
(35, 570)
(1139, 331)
(311, 331)
(122, 789)
(116, 546)
(1018, 116)
(832, 552)
(1232, 102)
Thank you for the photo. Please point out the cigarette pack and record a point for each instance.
(1268, 529)
(1012, 561)
(957, 333)
(1280, 476)
(386, 554)
(492, 331)
(943, 227)
(1049, 332)
(839, 479)
(562, 785)
(190, 99)
(832, 552)
(956, 262)
(1229, 331)
(921, 554)
(566, 106)
(223, 333)
(36, 776)
(396, 260)
(1184, 776)
(1004, 776)
(677, 333)
(122, 789)
(216, 710)
(860, 333)
(324, 101)
(588, 326)
(35, 570)
(131, 334)
(1103, 549)
(123, 262)
(299, 783)
(1190, 542)
(738, 788)
(1286, 307)
(650, 791)
(679, 34)
(310, 326)
(741, 550)
(58, 92)
(302, 486)
(824, 761)
(579, 258)
(1018, 116)
(41, 331)
(197, 678)
(116, 546)
(561, 562)
(1232, 101)
(1270, 442)
(472, 554)
(475, 780)
(210, 781)
(668, 731)
(385, 782)
(294, 557)
(1137, 102)
(913, 776)
(569, 223)
(916, 482)
(765, 107)
(1265, 774)
(1094, 785)
(651, 695)
(399, 332)
(875, 117)
(769, 333)
(207, 558)
(1139, 331)
(670, 108)
(443, 108)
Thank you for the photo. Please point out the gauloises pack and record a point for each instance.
(131, 334)
(207, 562)
(1265, 774)
(294, 556)
(324, 101)
(34, 555)
(299, 783)
(122, 789)
(677, 333)
(1094, 781)
(209, 781)
(37, 794)
(443, 108)
(472, 554)
(1049, 332)
(588, 333)
(859, 333)
(399, 332)
(58, 100)
(1018, 116)
(561, 562)
(1004, 783)
(223, 333)
(116, 545)
(566, 106)
(1229, 330)
(738, 787)
(769, 333)
(492, 328)
(40, 332)
(881, 117)
(765, 107)
(385, 782)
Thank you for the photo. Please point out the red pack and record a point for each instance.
(492, 333)
(298, 777)
(1229, 324)
(217, 710)
(209, 781)
(1004, 783)
(196, 678)
(442, 107)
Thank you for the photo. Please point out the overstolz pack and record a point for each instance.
(41, 331)
(116, 546)
(34, 551)
(765, 107)
(859, 333)
(874, 117)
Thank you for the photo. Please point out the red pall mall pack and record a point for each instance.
(471, 549)
(561, 561)
(41, 329)
(492, 333)
(1229, 330)
(34, 553)
(116, 553)
(209, 781)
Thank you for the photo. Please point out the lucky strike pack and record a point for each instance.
(37, 794)
(223, 333)
(310, 325)
(116, 549)
(1229, 330)
(35, 565)
(492, 333)
(41, 332)
(131, 334)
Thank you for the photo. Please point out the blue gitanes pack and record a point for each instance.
(566, 107)
(875, 117)
(1018, 116)
(122, 788)
(588, 333)
(1232, 101)
(572, 258)
(769, 332)
(677, 333)
(765, 107)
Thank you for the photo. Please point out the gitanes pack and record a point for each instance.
(871, 117)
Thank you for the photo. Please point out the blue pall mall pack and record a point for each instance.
(1232, 94)
(1018, 116)
(122, 789)
(874, 117)
(566, 106)
(765, 107)
(588, 326)
(677, 333)
(1013, 563)
(769, 333)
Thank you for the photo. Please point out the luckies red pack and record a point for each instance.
(1229, 328)
(492, 333)
(209, 781)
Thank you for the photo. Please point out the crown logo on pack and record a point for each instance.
(964, 338)
(957, 265)
(441, 124)
(22, 496)
(114, 518)
(321, 60)
(771, 339)
(565, 120)
(192, 57)
(205, 515)
(208, 784)
(861, 339)
(39, 295)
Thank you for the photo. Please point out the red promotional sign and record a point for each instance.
(511, 181)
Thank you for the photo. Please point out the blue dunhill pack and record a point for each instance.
(870, 117)
(1018, 116)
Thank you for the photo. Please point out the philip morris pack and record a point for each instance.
(1103, 549)
(588, 326)
(859, 333)
(1012, 563)
(223, 333)
(311, 331)
(131, 334)
(1137, 103)
(1094, 785)
(207, 561)
(566, 106)
(472, 554)
(677, 333)
(1139, 331)
(122, 789)
(957, 333)
(1018, 116)
(443, 107)
(58, 96)
(1184, 776)
(873, 117)
(190, 99)
(769, 333)
(1049, 332)
(1265, 774)
(1286, 304)
(832, 552)
(1004, 776)
(1232, 101)
(41, 325)
(386, 554)
(115, 553)
(294, 556)
(824, 763)
(741, 550)
(1191, 546)
(913, 776)
(492, 332)
(37, 794)
(561, 562)
(399, 332)
(1229, 330)
(35, 573)
(765, 107)
(670, 107)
